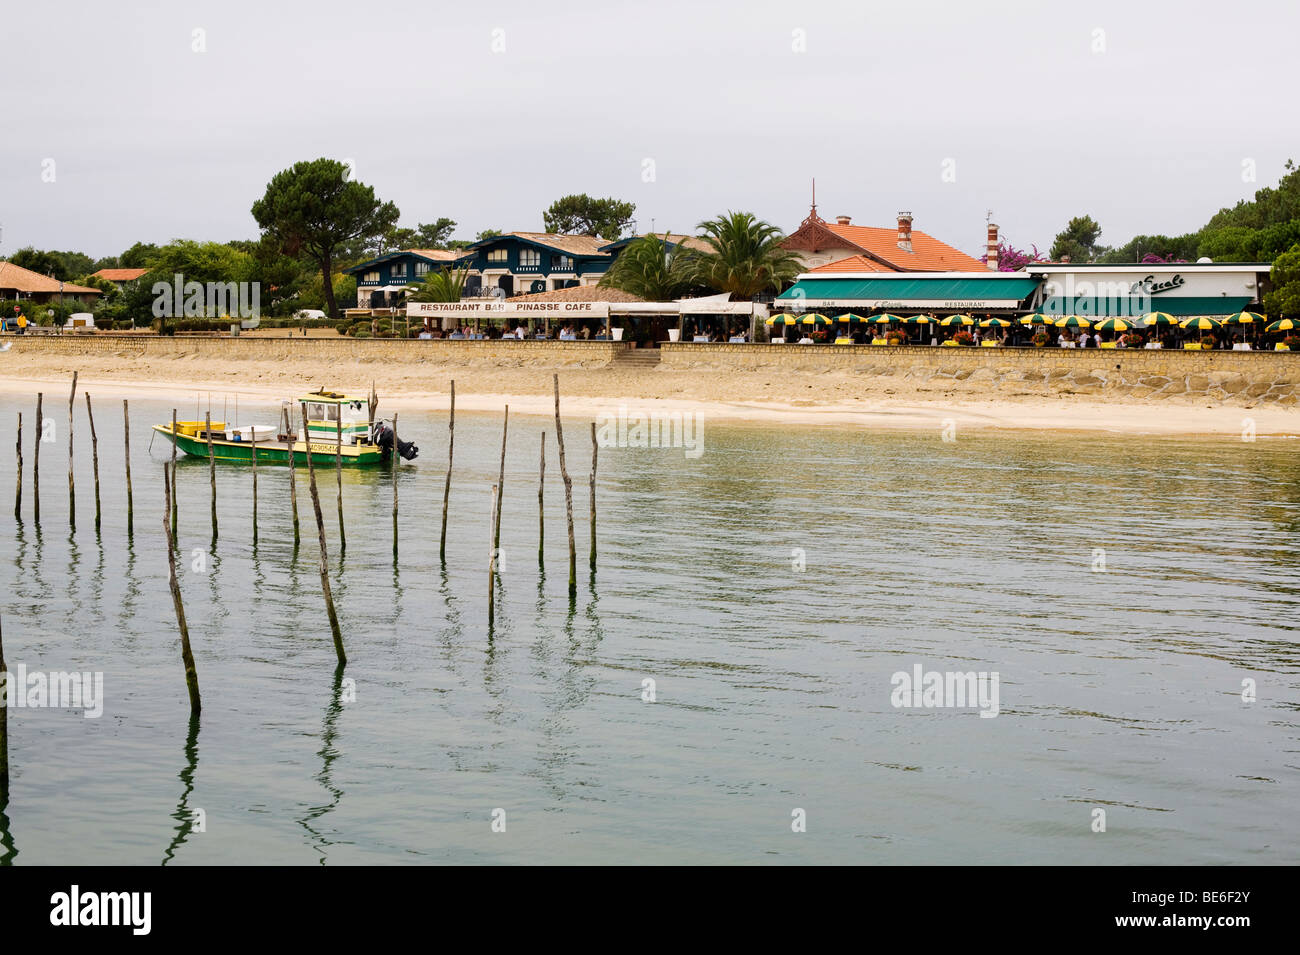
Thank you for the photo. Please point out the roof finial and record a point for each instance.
(814, 201)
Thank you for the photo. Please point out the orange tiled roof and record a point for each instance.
(928, 253)
(25, 280)
(854, 263)
(120, 275)
(441, 255)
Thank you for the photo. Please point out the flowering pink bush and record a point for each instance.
(1011, 259)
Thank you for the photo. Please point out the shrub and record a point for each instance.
(964, 338)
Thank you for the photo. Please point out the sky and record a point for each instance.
(149, 121)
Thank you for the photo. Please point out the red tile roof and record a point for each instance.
(120, 275)
(854, 263)
(928, 253)
(25, 280)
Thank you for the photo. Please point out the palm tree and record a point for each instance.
(445, 285)
(653, 269)
(746, 257)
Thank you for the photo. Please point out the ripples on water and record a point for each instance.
(1119, 689)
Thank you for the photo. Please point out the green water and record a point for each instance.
(1119, 689)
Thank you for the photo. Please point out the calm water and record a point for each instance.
(1119, 690)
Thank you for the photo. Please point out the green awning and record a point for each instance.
(1137, 307)
(912, 290)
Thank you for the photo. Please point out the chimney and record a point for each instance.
(905, 231)
(843, 220)
(993, 247)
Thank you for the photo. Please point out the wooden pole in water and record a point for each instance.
(175, 503)
(18, 485)
(252, 431)
(293, 474)
(501, 483)
(324, 552)
(541, 510)
(187, 655)
(397, 459)
(338, 471)
(568, 494)
(36, 462)
(446, 490)
(492, 557)
(72, 488)
(94, 456)
(593, 496)
(212, 472)
(126, 445)
(4, 722)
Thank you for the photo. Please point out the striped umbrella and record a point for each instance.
(1282, 325)
(1158, 318)
(782, 319)
(949, 320)
(1243, 318)
(994, 323)
(1038, 318)
(886, 318)
(816, 318)
(1202, 323)
(1114, 325)
(918, 320)
(1073, 321)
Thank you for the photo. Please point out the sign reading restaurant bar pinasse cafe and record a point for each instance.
(548, 310)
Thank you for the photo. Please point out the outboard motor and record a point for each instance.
(382, 435)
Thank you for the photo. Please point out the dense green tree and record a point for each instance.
(139, 256)
(313, 209)
(582, 215)
(653, 268)
(745, 257)
(487, 234)
(1078, 240)
(1149, 247)
(1284, 299)
(37, 260)
(1270, 206)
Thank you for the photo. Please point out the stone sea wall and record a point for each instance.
(266, 348)
(1134, 374)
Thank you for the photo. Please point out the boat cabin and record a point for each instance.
(326, 410)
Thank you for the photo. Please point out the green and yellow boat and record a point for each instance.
(338, 427)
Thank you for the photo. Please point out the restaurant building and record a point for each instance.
(383, 280)
(1180, 289)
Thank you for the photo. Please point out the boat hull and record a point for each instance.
(241, 452)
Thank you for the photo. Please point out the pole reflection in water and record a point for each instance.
(184, 816)
(327, 754)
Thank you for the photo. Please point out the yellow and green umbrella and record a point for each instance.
(851, 318)
(1158, 318)
(1202, 323)
(1038, 318)
(1282, 325)
(995, 323)
(886, 318)
(949, 320)
(1243, 318)
(918, 320)
(782, 319)
(1114, 325)
(1073, 321)
(816, 318)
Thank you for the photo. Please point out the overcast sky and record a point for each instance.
(1141, 114)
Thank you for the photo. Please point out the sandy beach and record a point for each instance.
(761, 397)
